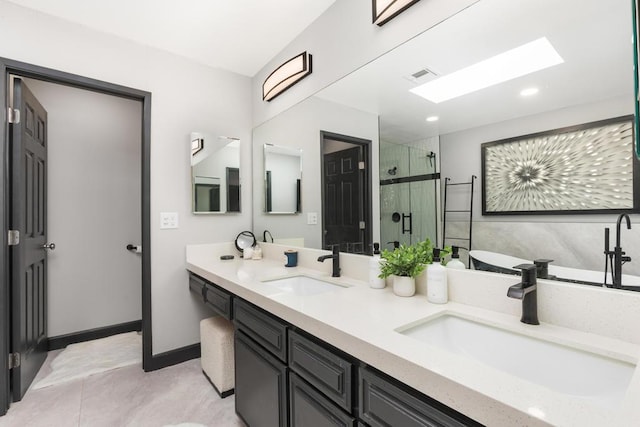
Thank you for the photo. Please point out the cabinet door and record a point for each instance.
(263, 328)
(308, 408)
(384, 404)
(218, 299)
(260, 386)
(196, 284)
(322, 368)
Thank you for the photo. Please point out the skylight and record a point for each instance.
(520, 61)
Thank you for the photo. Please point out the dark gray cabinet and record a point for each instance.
(196, 285)
(266, 330)
(309, 408)
(384, 403)
(286, 377)
(323, 368)
(218, 300)
(260, 385)
(214, 297)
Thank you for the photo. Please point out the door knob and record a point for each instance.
(134, 248)
(50, 246)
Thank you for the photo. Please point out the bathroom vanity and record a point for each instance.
(334, 349)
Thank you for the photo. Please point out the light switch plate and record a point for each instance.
(168, 220)
(312, 218)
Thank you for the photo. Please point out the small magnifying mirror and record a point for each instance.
(245, 239)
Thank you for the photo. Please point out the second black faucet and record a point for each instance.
(335, 256)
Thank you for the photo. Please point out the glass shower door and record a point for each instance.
(407, 195)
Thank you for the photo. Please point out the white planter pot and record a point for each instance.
(404, 286)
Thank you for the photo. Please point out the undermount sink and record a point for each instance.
(301, 285)
(563, 369)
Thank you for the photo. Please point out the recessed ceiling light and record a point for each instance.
(433, 118)
(529, 91)
(526, 59)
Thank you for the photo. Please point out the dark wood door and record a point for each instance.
(28, 257)
(342, 204)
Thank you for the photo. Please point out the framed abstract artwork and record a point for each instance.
(588, 168)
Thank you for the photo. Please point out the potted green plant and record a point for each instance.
(404, 264)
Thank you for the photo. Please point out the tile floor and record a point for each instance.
(128, 397)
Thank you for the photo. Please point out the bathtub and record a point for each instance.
(500, 263)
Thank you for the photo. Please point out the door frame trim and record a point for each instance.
(9, 66)
(366, 145)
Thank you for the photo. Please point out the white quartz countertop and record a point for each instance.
(363, 321)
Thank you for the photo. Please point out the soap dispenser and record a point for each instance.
(374, 269)
(455, 259)
(437, 291)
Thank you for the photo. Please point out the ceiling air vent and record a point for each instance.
(421, 76)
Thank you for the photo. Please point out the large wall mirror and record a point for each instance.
(282, 179)
(419, 139)
(215, 174)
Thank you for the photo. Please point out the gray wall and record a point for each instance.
(93, 208)
(186, 97)
(571, 240)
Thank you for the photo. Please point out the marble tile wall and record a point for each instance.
(576, 245)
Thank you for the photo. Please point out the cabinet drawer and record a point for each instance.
(382, 404)
(260, 385)
(266, 330)
(325, 370)
(307, 407)
(196, 284)
(219, 300)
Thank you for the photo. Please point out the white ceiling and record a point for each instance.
(236, 35)
(592, 36)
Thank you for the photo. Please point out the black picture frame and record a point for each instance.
(494, 175)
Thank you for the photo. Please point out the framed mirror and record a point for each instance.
(215, 174)
(282, 179)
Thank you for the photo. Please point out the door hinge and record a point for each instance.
(14, 360)
(13, 237)
(361, 165)
(362, 225)
(13, 115)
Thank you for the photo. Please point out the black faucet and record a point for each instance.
(264, 236)
(542, 267)
(618, 253)
(335, 256)
(527, 291)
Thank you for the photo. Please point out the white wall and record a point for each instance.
(186, 96)
(571, 240)
(342, 40)
(299, 127)
(93, 208)
(285, 172)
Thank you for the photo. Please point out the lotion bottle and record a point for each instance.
(374, 269)
(437, 291)
(455, 259)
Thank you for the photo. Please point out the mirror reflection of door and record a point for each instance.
(215, 173)
(346, 200)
